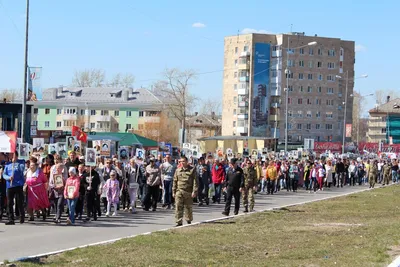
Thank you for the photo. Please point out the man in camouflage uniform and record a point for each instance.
(387, 168)
(373, 174)
(184, 189)
(250, 183)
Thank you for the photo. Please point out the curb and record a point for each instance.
(395, 263)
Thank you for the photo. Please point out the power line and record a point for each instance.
(11, 20)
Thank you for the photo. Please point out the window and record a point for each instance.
(301, 51)
(301, 63)
(92, 125)
(310, 64)
(128, 126)
(236, 50)
(234, 111)
(141, 113)
(318, 101)
(320, 77)
(331, 65)
(309, 114)
(46, 124)
(290, 63)
(301, 76)
(289, 100)
(116, 113)
(290, 113)
(308, 126)
(299, 138)
(318, 138)
(235, 99)
(129, 113)
(329, 115)
(301, 88)
(309, 89)
(331, 53)
(319, 52)
(311, 51)
(234, 123)
(317, 126)
(309, 76)
(276, 48)
(330, 90)
(35, 111)
(59, 123)
(320, 89)
(245, 48)
(235, 74)
(92, 112)
(300, 114)
(318, 114)
(328, 126)
(329, 102)
(34, 123)
(300, 101)
(59, 111)
(330, 78)
(274, 74)
(104, 113)
(236, 62)
(289, 126)
(299, 126)
(82, 112)
(383, 130)
(235, 87)
(290, 88)
(47, 111)
(309, 101)
(319, 64)
(290, 75)
(339, 107)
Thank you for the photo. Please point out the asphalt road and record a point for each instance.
(33, 238)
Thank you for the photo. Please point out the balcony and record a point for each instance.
(380, 124)
(243, 91)
(275, 105)
(243, 104)
(244, 79)
(245, 54)
(70, 117)
(376, 133)
(273, 117)
(242, 130)
(100, 118)
(244, 66)
(243, 116)
(277, 53)
(276, 92)
(275, 132)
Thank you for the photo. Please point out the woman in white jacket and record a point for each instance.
(328, 172)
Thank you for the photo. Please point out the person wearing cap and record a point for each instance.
(250, 185)
(184, 189)
(233, 185)
(152, 186)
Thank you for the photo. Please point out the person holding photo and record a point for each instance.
(71, 193)
(57, 186)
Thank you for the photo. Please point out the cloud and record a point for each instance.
(198, 25)
(360, 48)
(249, 30)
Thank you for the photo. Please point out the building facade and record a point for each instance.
(384, 123)
(202, 126)
(98, 109)
(255, 78)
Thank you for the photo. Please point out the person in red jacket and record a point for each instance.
(218, 178)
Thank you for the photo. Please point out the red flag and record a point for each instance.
(79, 134)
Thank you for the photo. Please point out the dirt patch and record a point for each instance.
(337, 224)
(394, 252)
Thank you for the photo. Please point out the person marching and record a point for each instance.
(373, 174)
(234, 184)
(250, 186)
(386, 173)
(271, 174)
(184, 189)
(204, 176)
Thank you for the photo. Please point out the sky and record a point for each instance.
(145, 37)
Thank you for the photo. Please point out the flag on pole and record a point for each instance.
(34, 87)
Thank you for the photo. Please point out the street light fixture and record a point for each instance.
(345, 103)
(287, 72)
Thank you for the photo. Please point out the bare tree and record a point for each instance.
(89, 78)
(174, 88)
(8, 95)
(210, 105)
(122, 80)
(381, 95)
(358, 110)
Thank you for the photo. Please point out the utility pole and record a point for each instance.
(24, 95)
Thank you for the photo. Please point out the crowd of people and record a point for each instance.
(52, 185)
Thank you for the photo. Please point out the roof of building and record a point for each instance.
(203, 120)
(393, 106)
(127, 139)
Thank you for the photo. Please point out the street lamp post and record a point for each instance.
(287, 72)
(345, 105)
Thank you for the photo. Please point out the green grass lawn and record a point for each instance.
(357, 230)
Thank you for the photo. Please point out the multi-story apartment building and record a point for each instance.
(259, 67)
(384, 123)
(201, 126)
(98, 109)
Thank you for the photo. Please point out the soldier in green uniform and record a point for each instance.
(373, 174)
(250, 183)
(387, 168)
(184, 189)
